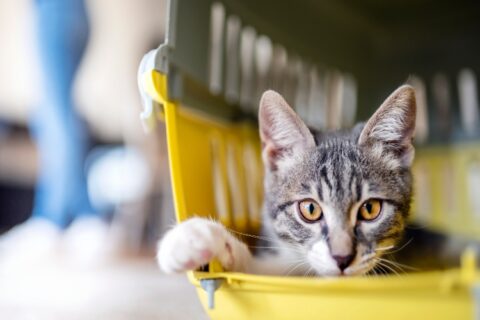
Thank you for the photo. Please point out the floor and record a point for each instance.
(130, 289)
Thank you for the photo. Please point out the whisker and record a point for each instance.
(392, 265)
(293, 262)
(296, 267)
(371, 272)
(381, 268)
(399, 265)
(310, 272)
(384, 248)
(390, 268)
(277, 247)
(402, 247)
(252, 235)
(296, 260)
(367, 257)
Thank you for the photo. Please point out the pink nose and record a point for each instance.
(343, 261)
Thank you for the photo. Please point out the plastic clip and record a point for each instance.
(210, 286)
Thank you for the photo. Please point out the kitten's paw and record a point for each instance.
(196, 242)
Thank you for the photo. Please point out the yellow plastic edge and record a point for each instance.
(156, 87)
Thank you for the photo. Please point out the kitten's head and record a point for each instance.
(338, 200)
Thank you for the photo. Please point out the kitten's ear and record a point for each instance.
(282, 132)
(392, 126)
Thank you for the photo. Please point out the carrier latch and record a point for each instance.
(210, 286)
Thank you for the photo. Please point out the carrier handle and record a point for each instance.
(152, 84)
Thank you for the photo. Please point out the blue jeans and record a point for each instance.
(61, 136)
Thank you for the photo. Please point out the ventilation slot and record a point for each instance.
(217, 22)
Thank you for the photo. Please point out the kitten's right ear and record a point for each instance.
(392, 126)
(282, 132)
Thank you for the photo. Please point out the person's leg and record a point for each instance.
(61, 137)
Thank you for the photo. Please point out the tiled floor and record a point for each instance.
(134, 289)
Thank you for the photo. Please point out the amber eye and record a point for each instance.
(370, 210)
(310, 210)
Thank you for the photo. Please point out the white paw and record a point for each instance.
(195, 243)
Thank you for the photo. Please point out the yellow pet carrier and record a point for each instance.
(326, 58)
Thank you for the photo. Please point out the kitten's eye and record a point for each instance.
(310, 210)
(370, 210)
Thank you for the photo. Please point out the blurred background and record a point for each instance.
(75, 63)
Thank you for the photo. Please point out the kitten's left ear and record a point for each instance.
(283, 133)
(392, 126)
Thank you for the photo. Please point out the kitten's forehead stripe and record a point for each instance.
(358, 190)
(352, 156)
(339, 174)
(338, 171)
(323, 158)
(352, 176)
(354, 184)
(324, 175)
(320, 190)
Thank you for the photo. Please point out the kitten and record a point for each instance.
(333, 202)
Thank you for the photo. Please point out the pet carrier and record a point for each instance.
(205, 82)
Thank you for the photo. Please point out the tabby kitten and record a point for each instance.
(334, 202)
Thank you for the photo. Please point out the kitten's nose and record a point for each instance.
(343, 261)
